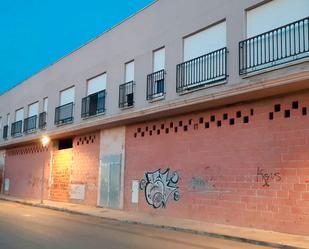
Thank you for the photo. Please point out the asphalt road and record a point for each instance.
(25, 227)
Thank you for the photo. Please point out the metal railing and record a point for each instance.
(42, 120)
(156, 85)
(16, 128)
(275, 47)
(126, 94)
(204, 70)
(64, 114)
(93, 104)
(5, 131)
(30, 124)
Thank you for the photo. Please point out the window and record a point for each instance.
(17, 126)
(45, 104)
(64, 112)
(31, 122)
(67, 96)
(33, 109)
(159, 60)
(270, 15)
(66, 143)
(205, 41)
(8, 119)
(126, 90)
(156, 80)
(129, 71)
(94, 103)
(96, 84)
(272, 39)
(19, 114)
(204, 57)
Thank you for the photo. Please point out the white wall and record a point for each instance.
(205, 41)
(96, 84)
(275, 14)
(67, 96)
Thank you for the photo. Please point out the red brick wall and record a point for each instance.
(224, 168)
(60, 175)
(85, 167)
(23, 166)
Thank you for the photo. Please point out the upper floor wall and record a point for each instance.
(127, 53)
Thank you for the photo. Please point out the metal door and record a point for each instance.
(110, 181)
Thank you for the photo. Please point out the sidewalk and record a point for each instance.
(249, 235)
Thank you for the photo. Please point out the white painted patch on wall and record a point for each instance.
(77, 191)
(6, 184)
(135, 191)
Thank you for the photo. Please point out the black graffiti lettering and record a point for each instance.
(267, 177)
(159, 187)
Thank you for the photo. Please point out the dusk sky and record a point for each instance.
(36, 33)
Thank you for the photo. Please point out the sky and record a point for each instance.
(36, 33)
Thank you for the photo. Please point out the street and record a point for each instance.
(25, 227)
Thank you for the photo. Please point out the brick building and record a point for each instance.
(197, 110)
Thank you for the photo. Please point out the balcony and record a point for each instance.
(5, 131)
(16, 128)
(93, 104)
(126, 95)
(42, 120)
(30, 124)
(64, 114)
(156, 85)
(201, 71)
(278, 46)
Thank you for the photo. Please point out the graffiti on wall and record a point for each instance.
(159, 187)
(267, 177)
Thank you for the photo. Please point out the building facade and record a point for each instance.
(193, 109)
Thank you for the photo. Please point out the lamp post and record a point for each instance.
(45, 141)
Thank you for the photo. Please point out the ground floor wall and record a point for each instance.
(74, 174)
(2, 156)
(245, 165)
(24, 171)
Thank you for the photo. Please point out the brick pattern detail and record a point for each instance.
(23, 166)
(60, 175)
(85, 166)
(253, 173)
(204, 121)
(27, 150)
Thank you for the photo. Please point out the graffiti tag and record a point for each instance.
(159, 187)
(267, 177)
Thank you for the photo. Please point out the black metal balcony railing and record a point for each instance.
(93, 104)
(16, 128)
(275, 47)
(5, 131)
(42, 120)
(126, 94)
(155, 85)
(204, 70)
(64, 114)
(30, 124)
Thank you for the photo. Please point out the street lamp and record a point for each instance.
(45, 141)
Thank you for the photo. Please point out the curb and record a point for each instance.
(174, 228)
